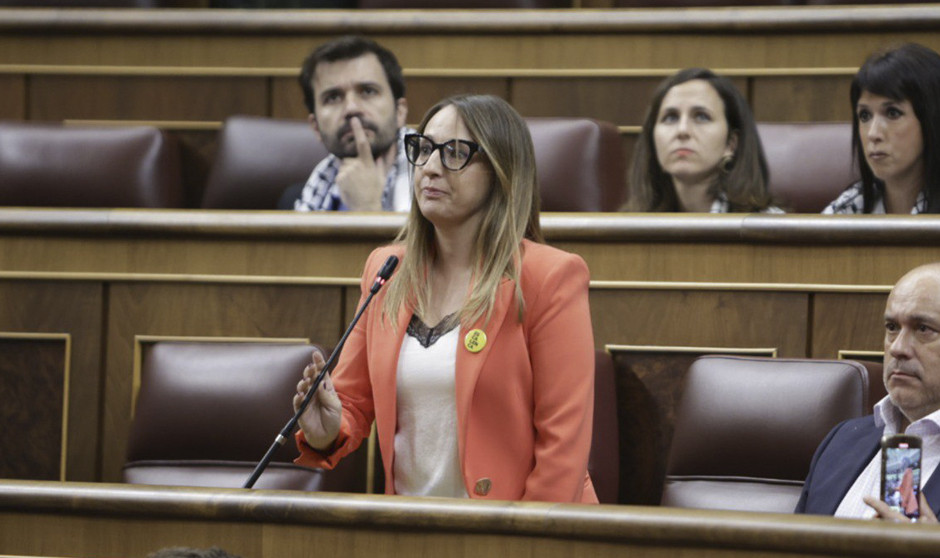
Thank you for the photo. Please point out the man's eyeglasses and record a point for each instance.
(455, 154)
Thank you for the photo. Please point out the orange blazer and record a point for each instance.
(524, 402)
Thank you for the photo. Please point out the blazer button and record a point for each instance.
(482, 487)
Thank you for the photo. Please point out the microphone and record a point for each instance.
(384, 273)
(380, 279)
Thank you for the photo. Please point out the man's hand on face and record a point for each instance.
(361, 179)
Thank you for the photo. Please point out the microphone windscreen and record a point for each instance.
(388, 267)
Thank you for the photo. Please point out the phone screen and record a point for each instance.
(901, 483)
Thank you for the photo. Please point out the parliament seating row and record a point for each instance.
(580, 164)
(52, 165)
(206, 411)
(746, 427)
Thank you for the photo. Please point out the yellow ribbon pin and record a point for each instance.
(475, 340)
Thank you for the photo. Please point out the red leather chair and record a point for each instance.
(579, 161)
(810, 163)
(207, 412)
(746, 429)
(580, 164)
(63, 166)
(257, 159)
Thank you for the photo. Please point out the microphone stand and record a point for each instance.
(387, 268)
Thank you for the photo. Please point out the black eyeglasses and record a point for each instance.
(455, 154)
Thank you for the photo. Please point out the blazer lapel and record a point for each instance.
(470, 364)
(386, 346)
(855, 456)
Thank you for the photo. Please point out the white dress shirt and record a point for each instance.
(869, 482)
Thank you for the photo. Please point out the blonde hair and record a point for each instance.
(511, 214)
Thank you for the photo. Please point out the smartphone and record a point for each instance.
(900, 473)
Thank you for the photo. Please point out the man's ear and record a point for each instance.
(401, 111)
(732, 145)
(312, 119)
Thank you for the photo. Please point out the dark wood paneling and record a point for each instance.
(424, 92)
(847, 321)
(74, 308)
(851, 322)
(813, 261)
(741, 38)
(202, 310)
(702, 319)
(33, 382)
(197, 152)
(801, 98)
(287, 99)
(622, 101)
(13, 97)
(649, 386)
(421, 92)
(53, 97)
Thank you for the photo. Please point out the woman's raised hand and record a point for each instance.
(320, 421)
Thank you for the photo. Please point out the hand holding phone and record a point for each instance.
(900, 473)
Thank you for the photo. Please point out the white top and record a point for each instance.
(427, 462)
(869, 482)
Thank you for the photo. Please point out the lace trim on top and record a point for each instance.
(427, 336)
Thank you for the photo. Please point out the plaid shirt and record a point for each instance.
(722, 205)
(320, 193)
(852, 201)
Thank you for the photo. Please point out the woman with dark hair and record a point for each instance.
(895, 134)
(477, 360)
(699, 150)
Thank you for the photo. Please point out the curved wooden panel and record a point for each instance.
(749, 19)
(114, 520)
(647, 38)
(740, 248)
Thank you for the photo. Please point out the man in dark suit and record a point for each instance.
(845, 475)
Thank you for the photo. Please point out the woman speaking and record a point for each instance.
(477, 361)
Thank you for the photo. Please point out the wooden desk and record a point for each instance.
(777, 36)
(124, 521)
(297, 248)
(196, 67)
(81, 290)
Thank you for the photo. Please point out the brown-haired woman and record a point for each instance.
(477, 362)
(699, 150)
